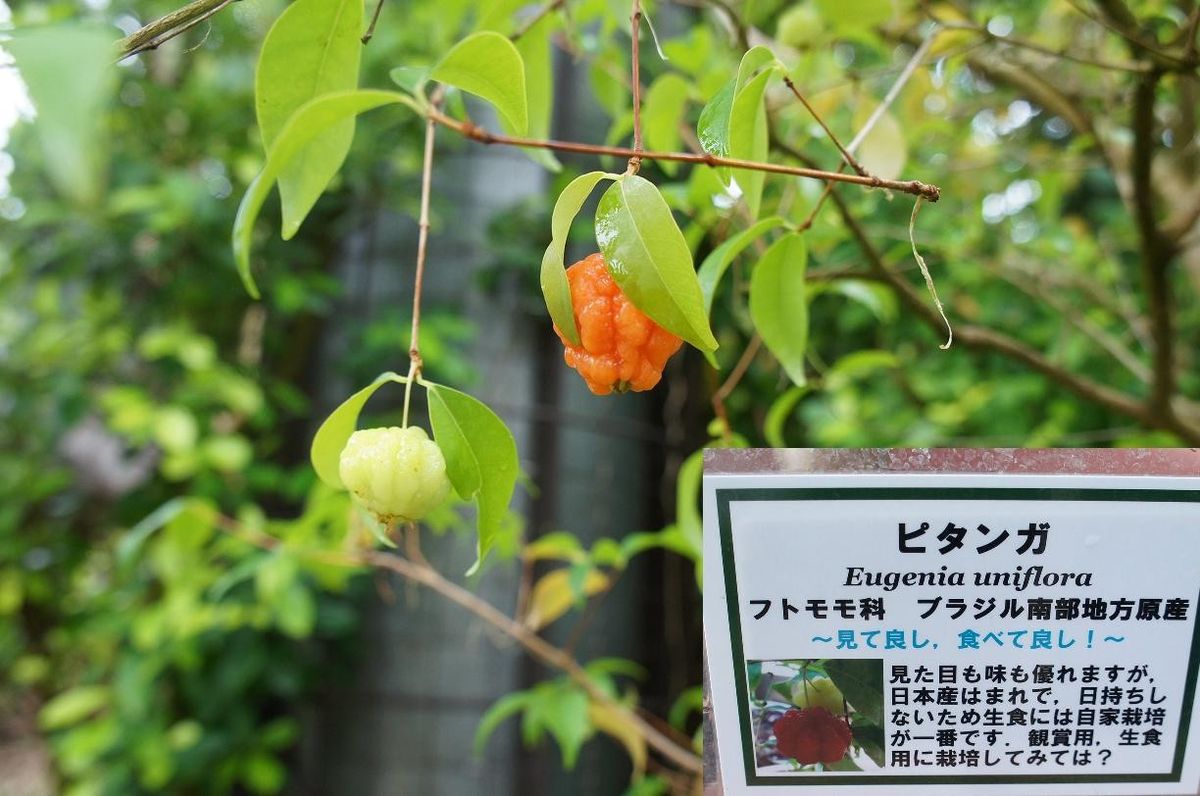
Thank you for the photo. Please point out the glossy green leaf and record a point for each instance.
(870, 738)
(314, 48)
(481, 457)
(555, 288)
(302, 127)
(713, 127)
(650, 259)
(779, 303)
(749, 137)
(333, 434)
(779, 412)
(68, 70)
(719, 259)
(489, 66)
(537, 53)
(861, 682)
(662, 112)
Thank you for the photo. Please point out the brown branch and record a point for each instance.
(425, 575)
(929, 192)
(165, 28)
(735, 375)
(1025, 44)
(537, 646)
(984, 338)
(910, 68)
(1117, 17)
(846, 156)
(1156, 252)
(370, 32)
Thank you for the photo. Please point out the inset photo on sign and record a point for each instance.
(816, 715)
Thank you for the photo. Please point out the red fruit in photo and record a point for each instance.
(812, 735)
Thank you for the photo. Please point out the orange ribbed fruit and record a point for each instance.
(621, 348)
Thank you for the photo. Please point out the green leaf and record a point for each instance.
(555, 288)
(713, 127)
(650, 259)
(845, 764)
(870, 739)
(689, 701)
(73, 706)
(718, 261)
(314, 48)
(489, 66)
(302, 127)
(779, 304)
(755, 58)
(777, 415)
(68, 70)
(562, 709)
(855, 15)
(859, 363)
(411, 78)
(666, 100)
(333, 434)
(481, 457)
(536, 51)
(749, 137)
(861, 682)
(505, 706)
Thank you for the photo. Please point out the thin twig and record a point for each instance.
(735, 375)
(366, 37)
(931, 193)
(635, 22)
(846, 156)
(910, 68)
(984, 338)
(415, 363)
(1136, 67)
(163, 29)
(535, 18)
(537, 646)
(1119, 20)
(425, 575)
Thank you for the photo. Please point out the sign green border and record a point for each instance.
(1132, 495)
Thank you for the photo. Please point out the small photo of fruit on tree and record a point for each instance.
(813, 715)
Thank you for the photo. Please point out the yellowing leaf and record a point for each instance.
(885, 149)
(610, 721)
(553, 595)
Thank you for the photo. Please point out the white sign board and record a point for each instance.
(932, 632)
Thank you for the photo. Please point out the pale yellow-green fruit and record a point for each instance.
(818, 693)
(395, 473)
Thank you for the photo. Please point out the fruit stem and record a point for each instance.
(635, 20)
